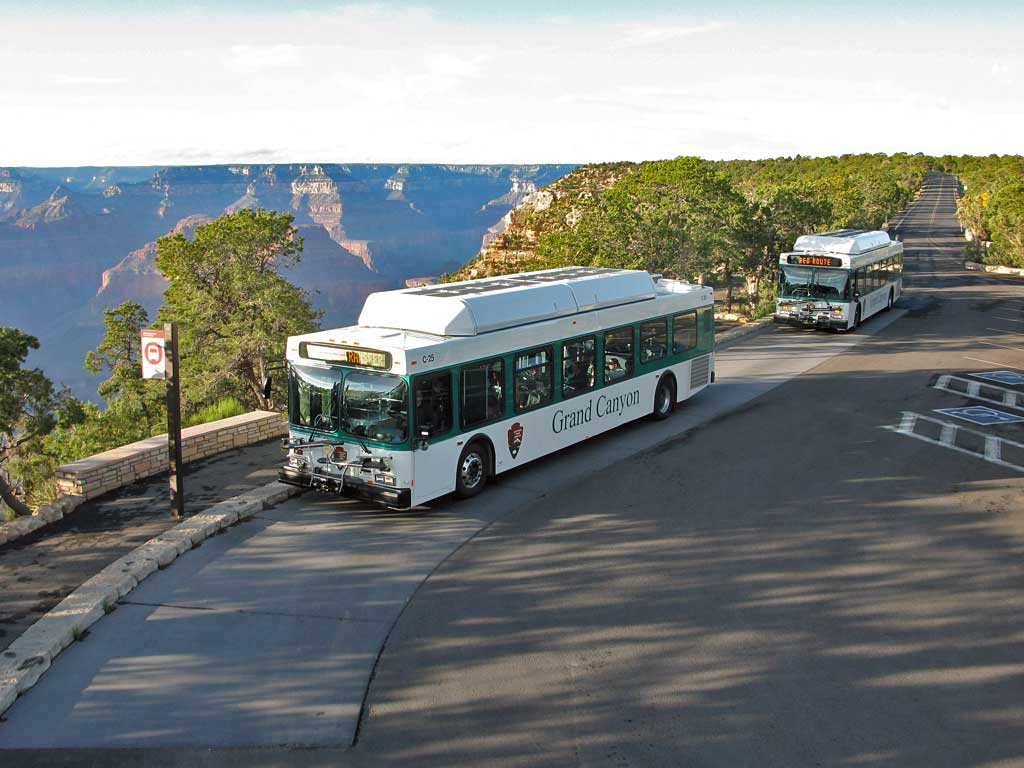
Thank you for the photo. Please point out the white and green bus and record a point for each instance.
(838, 279)
(439, 388)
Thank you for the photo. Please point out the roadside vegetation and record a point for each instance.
(719, 223)
(991, 208)
(235, 312)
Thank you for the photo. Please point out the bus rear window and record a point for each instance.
(684, 333)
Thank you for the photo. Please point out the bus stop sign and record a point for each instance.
(154, 363)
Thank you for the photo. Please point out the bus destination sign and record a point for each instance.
(336, 353)
(815, 261)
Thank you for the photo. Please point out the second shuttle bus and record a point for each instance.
(838, 279)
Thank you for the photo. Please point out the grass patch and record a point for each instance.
(225, 409)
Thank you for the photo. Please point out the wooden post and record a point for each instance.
(174, 420)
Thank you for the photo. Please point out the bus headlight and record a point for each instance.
(837, 310)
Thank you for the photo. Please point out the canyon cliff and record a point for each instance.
(76, 241)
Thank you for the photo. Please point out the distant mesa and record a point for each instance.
(419, 282)
(55, 208)
(136, 278)
(76, 241)
(321, 198)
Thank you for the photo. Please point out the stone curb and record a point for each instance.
(51, 513)
(28, 657)
(744, 330)
(975, 266)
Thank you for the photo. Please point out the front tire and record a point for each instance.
(471, 471)
(856, 321)
(664, 399)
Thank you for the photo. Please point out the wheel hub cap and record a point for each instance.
(472, 470)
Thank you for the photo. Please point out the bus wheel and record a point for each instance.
(471, 473)
(856, 320)
(889, 305)
(664, 399)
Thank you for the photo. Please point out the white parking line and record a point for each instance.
(1008, 398)
(993, 344)
(992, 452)
(992, 362)
(1007, 319)
(1004, 330)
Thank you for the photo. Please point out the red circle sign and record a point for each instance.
(154, 353)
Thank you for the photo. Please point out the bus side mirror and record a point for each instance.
(267, 381)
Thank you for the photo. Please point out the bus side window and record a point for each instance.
(618, 354)
(578, 358)
(684, 332)
(482, 392)
(534, 379)
(653, 340)
(432, 401)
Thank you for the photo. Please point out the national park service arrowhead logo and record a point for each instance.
(515, 438)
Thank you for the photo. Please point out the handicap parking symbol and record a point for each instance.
(1012, 378)
(979, 414)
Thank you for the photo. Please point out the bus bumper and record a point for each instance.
(812, 321)
(400, 498)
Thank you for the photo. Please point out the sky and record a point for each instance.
(111, 82)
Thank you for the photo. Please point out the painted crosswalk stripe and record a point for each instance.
(1001, 396)
(992, 452)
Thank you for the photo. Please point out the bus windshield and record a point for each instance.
(313, 398)
(365, 405)
(375, 406)
(813, 283)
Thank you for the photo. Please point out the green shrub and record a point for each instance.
(224, 409)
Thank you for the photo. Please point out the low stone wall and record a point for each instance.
(973, 265)
(104, 472)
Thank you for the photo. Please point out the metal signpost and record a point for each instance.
(159, 353)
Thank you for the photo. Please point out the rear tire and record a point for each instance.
(471, 471)
(891, 301)
(664, 399)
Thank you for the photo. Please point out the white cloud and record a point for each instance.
(646, 35)
(999, 69)
(87, 80)
(251, 59)
(394, 83)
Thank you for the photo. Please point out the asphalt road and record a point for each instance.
(795, 575)
(793, 584)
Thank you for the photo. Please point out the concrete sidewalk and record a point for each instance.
(38, 571)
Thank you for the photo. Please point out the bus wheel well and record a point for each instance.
(671, 379)
(485, 441)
